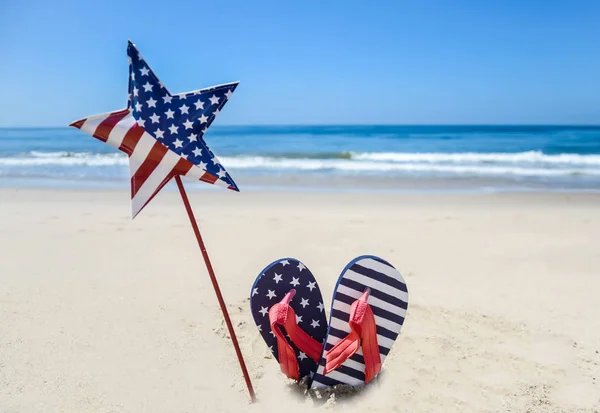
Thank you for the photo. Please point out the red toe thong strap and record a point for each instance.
(363, 333)
(282, 315)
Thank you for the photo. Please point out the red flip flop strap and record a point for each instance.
(363, 333)
(341, 352)
(286, 354)
(281, 314)
(370, 346)
(305, 343)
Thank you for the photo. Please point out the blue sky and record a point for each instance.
(310, 62)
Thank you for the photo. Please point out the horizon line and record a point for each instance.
(593, 125)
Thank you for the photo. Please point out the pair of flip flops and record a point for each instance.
(368, 309)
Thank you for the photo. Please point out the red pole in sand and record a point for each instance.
(215, 284)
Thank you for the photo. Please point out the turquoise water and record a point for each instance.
(557, 156)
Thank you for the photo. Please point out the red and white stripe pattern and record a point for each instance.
(151, 164)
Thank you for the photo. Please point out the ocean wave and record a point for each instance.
(529, 157)
(473, 157)
(526, 164)
(307, 155)
(357, 167)
(35, 158)
(63, 157)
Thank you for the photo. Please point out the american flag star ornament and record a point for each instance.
(162, 133)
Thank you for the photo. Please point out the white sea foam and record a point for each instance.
(526, 164)
(366, 166)
(472, 157)
(35, 158)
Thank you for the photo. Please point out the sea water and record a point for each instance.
(557, 157)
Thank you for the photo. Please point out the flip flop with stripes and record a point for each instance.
(367, 312)
(287, 307)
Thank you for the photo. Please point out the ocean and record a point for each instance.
(386, 157)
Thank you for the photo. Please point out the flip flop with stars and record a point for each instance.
(272, 284)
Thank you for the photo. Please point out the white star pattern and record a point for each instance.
(135, 91)
(138, 106)
(167, 98)
(151, 103)
(178, 143)
(141, 122)
(173, 129)
(254, 291)
(188, 124)
(144, 71)
(199, 104)
(259, 327)
(306, 314)
(159, 134)
(155, 118)
(147, 87)
(197, 152)
(201, 165)
(228, 94)
(216, 113)
(264, 311)
(214, 100)
(203, 119)
(301, 266)
(169, 114)
(320, 306)
(192, 137)
(221, 173)
(184, 109)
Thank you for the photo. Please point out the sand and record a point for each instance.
(99, 313)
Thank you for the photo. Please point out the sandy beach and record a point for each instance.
(99, 313)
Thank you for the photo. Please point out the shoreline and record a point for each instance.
(332, 184)
(290, 195)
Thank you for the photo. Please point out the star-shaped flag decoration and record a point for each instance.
(162, 133)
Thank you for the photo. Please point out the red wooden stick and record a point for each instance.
(215, 284)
